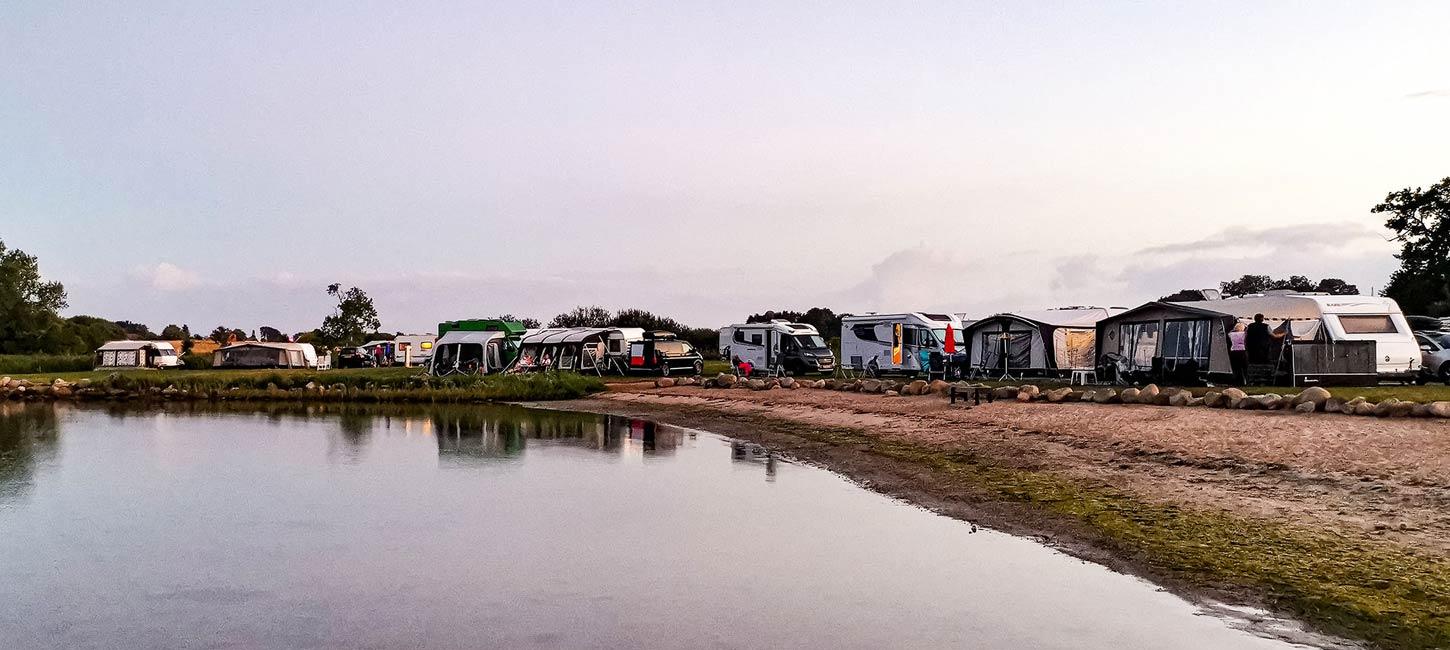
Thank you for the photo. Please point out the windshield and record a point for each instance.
(810, 341)
(1440, 338)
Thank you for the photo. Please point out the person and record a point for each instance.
(1238, 359)
(1258, 340)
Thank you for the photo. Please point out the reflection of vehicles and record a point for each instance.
(777, 346)
(136, 354)
(889, 343)
(475, 346)
(661, 352)
(1434, 355)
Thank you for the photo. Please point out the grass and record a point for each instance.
(1379, 592)
(371, 384)
(16, 364)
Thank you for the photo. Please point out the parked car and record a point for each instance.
(354, 358)
(662, 353)
(1434, 356)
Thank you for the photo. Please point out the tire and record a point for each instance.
(665, 369)
(1445, 373)
(699, 368)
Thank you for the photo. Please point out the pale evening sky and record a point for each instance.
(209, 164)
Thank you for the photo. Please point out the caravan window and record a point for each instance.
(908, 336)
(740, 336)
(864, 332)
(1378, 324)
(1186, 340)
(1138, 343)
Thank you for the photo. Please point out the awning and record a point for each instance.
(461, 336)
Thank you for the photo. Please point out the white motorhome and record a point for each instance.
(869, 342)
(778, 346)
(1316, 316)
(136, 354)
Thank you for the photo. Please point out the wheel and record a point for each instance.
(665, 369)
(1445, 373)
(699, 368)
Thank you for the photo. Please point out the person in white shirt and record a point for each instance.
(1238, 355)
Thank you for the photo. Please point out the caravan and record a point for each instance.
(779, 346)
(1334, 319)
(136, 354)
(898, 343)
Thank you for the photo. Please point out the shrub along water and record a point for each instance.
(19, 364)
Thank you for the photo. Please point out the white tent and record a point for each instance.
(1050, 340)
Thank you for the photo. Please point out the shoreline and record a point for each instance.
(1381, 584)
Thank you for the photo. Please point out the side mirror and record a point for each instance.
(1426, 348)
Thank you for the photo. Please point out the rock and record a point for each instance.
(1245, 403)
(1130, 395)
(1403, 409)
(1004, 392)
(1363, 408)
(1058, 394)
(63, 390)
(1305, 407)
(1074, 396)
(1195, 401)
(890, 393)
(311, 385)
(1231, 394)
(1213, 399)
(1438, 409)
(1149, 394)
(271, 386)
(1333, 404)
(726, 380)
(1088, 395)
(1383, 408)
(918, 387)
(4, 382)
(1180, 398)
(758, 384)
(1271, 401)
(708, 383)
(787, 382)
(84, 383)
(1031, 390)
(1315, 394)
(1106, 396)
(1421, 411)
(664, 382)
(870, 385)
(939, 387)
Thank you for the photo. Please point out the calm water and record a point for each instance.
(504, 527)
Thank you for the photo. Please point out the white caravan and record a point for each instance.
(869, 341)
(416, 349)
(136, 354)
(777, 347)
(1317, 316)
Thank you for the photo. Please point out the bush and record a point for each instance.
(22, 364)
(195, 361)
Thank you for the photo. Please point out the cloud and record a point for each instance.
(165, 276)
(1424, 94)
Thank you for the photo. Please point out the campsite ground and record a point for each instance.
(1343, 521)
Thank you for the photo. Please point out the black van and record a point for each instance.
(661, 352)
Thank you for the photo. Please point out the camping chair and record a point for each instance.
(851, 368)
(936, 367)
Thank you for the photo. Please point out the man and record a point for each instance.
(1259, 341)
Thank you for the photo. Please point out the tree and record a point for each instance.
(1246, 285)
(29, 305)
(224, 335)
(1420, 219)
(590, 316)
(272, 334)
(352, 319)
(530, 323)
(1337, 287)
(81, 334)
(1183, 295)
(1260, 283)
(136, 331)
(173, 333)
(826, 321)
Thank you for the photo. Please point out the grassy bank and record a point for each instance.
(19, 364)
(379, 384)
(1380, 592)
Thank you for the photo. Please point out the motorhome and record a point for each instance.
(777, 347)
(1332, 319)
(898, 343)
(478, 346)
(136, 354)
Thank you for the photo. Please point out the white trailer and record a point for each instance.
(777, 347)
(1316, 316)
(896, 343)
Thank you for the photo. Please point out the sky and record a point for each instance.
(209, 163)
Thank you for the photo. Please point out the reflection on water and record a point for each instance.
(343, 526)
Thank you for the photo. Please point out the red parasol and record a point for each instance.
(950, 345)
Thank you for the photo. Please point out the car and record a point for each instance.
(662, 353)
(354, 358)
(1434, 356)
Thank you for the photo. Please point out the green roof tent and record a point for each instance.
(512, 329)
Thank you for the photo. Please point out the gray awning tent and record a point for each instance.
(1169, 339)
(1052, 340)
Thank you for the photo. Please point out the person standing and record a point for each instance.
(1237, 356)
(1258, 340)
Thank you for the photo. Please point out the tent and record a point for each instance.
(258, 354)
(1047, 342)
(1164, 340)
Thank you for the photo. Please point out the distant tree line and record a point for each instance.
(1251, 284)
(705, 339)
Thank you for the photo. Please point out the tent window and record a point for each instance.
(1368, 324)
(446, 356)
(495, 361)
(1138, 343)
(1186, 340)
(865, 332)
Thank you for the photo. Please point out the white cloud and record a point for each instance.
(165, 276)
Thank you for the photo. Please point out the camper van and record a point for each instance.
(1323, 317)
(660, 352)
(897, 343)
(474, 347)
(779, 346)
(136, 354)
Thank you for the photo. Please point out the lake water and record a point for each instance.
(511, 528)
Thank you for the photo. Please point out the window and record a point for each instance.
(810, 341)
(672, 348)
(908, 336)
(1138, 343)
(739, 336)
(1186, 340)
(1377, 324)
(865, 332)
(755, 339)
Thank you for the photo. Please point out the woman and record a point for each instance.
(1238, 355)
